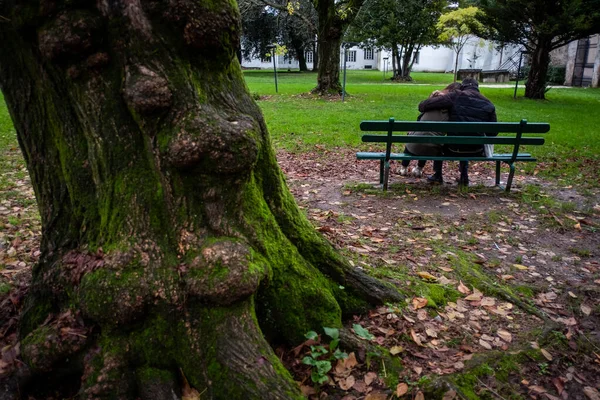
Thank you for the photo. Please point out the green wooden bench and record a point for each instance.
(392, 126)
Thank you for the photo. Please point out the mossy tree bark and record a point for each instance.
(170, 239)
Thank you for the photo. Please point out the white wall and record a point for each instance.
(431, 59)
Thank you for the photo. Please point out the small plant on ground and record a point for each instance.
(321, 355)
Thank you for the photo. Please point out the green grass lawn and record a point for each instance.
(298, 121)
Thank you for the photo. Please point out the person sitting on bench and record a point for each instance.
(464, 105)
(427, 149)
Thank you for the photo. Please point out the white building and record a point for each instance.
(477, 54)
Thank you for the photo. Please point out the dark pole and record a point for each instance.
(518, 73)
(272, 48)
(344, 82)
(385, 63)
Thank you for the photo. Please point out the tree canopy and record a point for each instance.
(457, 28)
(401, 26)
(540, 26)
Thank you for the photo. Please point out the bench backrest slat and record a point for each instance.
(454, 127)
(534, 141)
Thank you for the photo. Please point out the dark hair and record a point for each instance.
(469, 82)
(452, 87)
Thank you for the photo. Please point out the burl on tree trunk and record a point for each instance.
(171, 244)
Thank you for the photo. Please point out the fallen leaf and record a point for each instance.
(505, 335)
(537, 389)
(307, 390)
(488, 301)
(559, 385)
(401, 389)
(485, 344)
(446, 269)
(586, 309)
(475, 296)
(431, 332)
(577, 226)
(415, 338)
(347, 383)
(376, 396)
(573, 295)
(188, 392)
(591, 393)
(370, 377)
(520, 267)
(546, 354)
(418, 370)
(463, 289)
(396, 350)
(507, 277)
(420, 396)
(449, 395)
(419, 302)
(427, 276)
(422, 315)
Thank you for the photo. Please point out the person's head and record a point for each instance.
(448, 89)
(469, 83)
(452, 87)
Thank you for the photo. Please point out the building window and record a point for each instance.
(309, 56)
(351, 56)
(417, 56)
(368, 54)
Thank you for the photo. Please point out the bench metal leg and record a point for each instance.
(510, 177)
(497, 173)
(386, 175)
(381, 168)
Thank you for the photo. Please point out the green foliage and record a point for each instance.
(402, 25)
(539, 26)
(457, 29)
(457, 25)
(362, 332)
(320, 357)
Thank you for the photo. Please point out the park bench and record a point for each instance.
(516, 140)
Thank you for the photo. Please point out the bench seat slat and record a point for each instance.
(533, 141)
(467, 127)
(404, 156)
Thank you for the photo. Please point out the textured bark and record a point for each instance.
(328, 47)
(171, 244)
(535, 88)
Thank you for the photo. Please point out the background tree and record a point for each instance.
(264, 25)
(333, 18)
(168, 232)
(399, 26)
(540, 26)
(457, 29)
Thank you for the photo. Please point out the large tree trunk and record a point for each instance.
(535, 88)
(170, 240)
(329, 41)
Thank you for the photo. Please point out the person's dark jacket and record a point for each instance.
(466, 105)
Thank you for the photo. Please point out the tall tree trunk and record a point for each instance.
(535, 88)
(457, 52)
(406, 62)
(170, 239)
(329, 41)
(301, 55)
